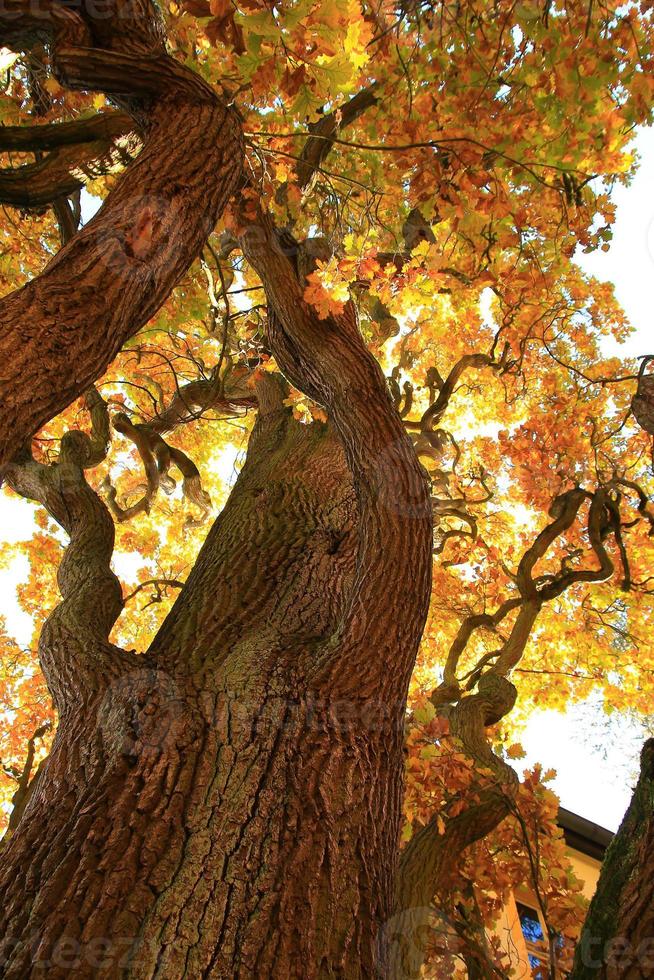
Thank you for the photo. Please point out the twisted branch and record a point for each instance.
(74, 651)
(323, 133)
(23, 777)
(157, 457)
(71, 162)
(433, 853)
(432, 856)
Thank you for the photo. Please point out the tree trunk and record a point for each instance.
(218, 807)
(227, 804)
(616, 941)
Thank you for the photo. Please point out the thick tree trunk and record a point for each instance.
(228, 804)
(616, 942)
(215, 807)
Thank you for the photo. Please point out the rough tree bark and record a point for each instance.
(616, 941)
(60, 331)
(229, 803)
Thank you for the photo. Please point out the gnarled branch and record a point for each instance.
(157, 457)
(321, 141)
(59, 174)
(24, 779)
(433, 854)
(74, 651)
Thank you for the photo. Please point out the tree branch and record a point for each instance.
(118, 270)
(532, 595)
(158, 583)
(642, 404)
(320, 142)
(74, 651)
(61, 172)
(433, 854)
(192, 400)
(328, 360)
(103, 127)
(25, 782)
(157, 457)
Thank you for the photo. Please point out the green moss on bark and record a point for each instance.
(623, 868)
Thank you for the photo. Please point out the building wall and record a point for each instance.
(586, 868)
(509, 928)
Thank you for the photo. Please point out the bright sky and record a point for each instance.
(595, 757)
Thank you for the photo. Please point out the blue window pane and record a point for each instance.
(531, 927)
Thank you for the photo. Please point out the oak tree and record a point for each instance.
(334, 259)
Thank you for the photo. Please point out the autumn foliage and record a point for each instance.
(440, 166)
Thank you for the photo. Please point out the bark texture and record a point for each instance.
(616, 942)
(228, 805)
(81, 150)
(60, 331)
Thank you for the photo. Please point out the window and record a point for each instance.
(534, 935)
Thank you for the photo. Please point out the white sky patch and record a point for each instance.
(127, 564)
(17, 519)
(594, 776)
(19, 624)
(7, 58)
(629, 263)
(89, 204)
(228, 462)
